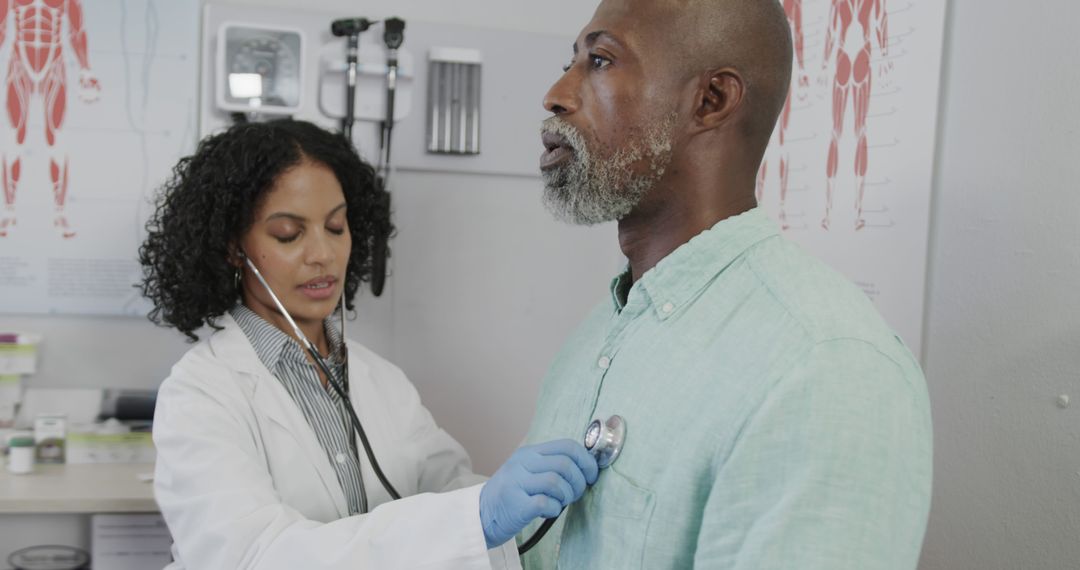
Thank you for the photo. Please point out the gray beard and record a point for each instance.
(590, 189)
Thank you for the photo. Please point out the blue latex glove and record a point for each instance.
(537, 481)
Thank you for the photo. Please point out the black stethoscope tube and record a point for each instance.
(359, 427)
(538, 535)
(355, 421)
(304, 342)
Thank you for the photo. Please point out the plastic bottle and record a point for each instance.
(21, 455)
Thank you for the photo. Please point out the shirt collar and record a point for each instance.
(685, 272)
(271, 344)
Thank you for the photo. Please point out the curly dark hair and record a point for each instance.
(209, 203)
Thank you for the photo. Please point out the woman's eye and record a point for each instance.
(336, 231)
(287, 239)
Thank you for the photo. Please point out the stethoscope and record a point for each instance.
(604, 440)
(315, 356)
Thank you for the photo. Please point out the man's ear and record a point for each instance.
(720, 95)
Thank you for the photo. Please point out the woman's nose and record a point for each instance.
(320, 250)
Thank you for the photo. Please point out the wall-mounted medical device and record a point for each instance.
(370, 92)
(453, 110)
(260, 69)
(350, 29)
(370, 104)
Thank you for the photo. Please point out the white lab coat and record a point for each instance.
(244, 484)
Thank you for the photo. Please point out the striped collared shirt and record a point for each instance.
(324, 410)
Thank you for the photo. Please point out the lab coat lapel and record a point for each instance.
(271, 399)
(359, 381)
(359, 384)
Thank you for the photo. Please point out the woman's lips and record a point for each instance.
(319, 289)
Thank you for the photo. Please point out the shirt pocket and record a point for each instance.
(609, 526)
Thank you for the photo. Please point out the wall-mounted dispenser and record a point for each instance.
(453, 117)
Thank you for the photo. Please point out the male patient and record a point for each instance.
(773, 420)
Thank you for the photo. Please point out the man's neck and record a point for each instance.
(650, 234)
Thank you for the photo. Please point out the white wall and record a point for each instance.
(486, 289)
(1003, 338)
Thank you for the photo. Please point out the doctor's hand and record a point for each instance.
(537, 481)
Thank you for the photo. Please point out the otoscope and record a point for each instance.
(393, 37)
(350, 29)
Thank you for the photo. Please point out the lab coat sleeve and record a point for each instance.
(218, 499)
(444, 463)
(831, 472)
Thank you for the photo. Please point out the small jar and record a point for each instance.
(21, 455)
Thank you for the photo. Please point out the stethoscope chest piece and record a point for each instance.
(605, 440)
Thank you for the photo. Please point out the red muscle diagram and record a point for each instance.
(852, 27)
(37, 70)
(793, 8)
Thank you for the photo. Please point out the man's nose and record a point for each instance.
(563, 97)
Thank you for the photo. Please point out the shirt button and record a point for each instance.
(604, 362)
(667, 308)
(340, 458)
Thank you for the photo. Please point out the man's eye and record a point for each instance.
(599, 61)
(567, 67)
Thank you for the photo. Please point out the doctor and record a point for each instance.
(258, 464)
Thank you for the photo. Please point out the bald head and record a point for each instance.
(699, 37)
(694, 85)
(751, 36)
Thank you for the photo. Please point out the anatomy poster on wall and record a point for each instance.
(848, 173)
(99, 103)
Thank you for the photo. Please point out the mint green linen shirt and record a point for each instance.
(773, 420)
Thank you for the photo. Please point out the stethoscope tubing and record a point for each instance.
(538, 535)
(355, 421)
(310, 348)
(526, 546)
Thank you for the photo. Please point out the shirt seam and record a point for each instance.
(748, 418)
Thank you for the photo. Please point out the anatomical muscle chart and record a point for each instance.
(848, 172)
(99, 102)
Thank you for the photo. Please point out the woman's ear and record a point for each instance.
(236, 255)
